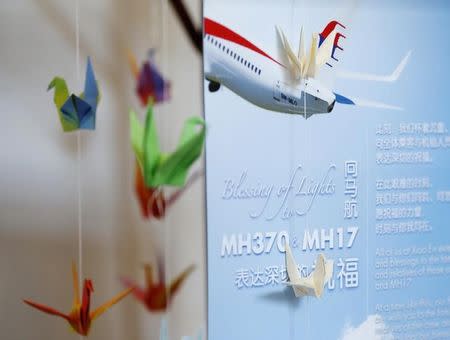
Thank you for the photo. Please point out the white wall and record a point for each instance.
(38, 178)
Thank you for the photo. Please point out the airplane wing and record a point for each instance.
(390, 78)
(340, 99)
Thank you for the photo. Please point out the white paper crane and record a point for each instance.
(307, 65)
(313, 284)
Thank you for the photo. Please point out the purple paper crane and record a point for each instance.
(150, 83)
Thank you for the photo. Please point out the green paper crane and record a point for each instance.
(165, 168)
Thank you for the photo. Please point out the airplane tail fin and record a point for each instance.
(329, 40)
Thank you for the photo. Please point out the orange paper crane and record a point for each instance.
(80, 317)
(157, 296)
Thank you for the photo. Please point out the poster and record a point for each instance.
(355, 168)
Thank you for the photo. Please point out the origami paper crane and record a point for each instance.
(152, 201)
(157, 296)
(76, 112)
(80, 318)
(165, 168)
(150, 83)
(313, 284)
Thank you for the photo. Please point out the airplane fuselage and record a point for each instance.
(236, 63)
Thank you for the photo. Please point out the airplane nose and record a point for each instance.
(331, 106)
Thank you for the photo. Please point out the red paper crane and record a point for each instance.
(152, 200)
(157, 296)
(80, 317)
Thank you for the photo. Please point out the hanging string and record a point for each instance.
(292, 143)
(367, 218)
(157, 36)
(80, 220)
(166, 226)
(151, 54)
(308, 159)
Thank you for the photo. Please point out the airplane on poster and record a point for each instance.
(313, 284)
(233, 61)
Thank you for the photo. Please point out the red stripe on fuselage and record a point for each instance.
(218, 30)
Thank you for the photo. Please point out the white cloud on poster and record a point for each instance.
(373, 328)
